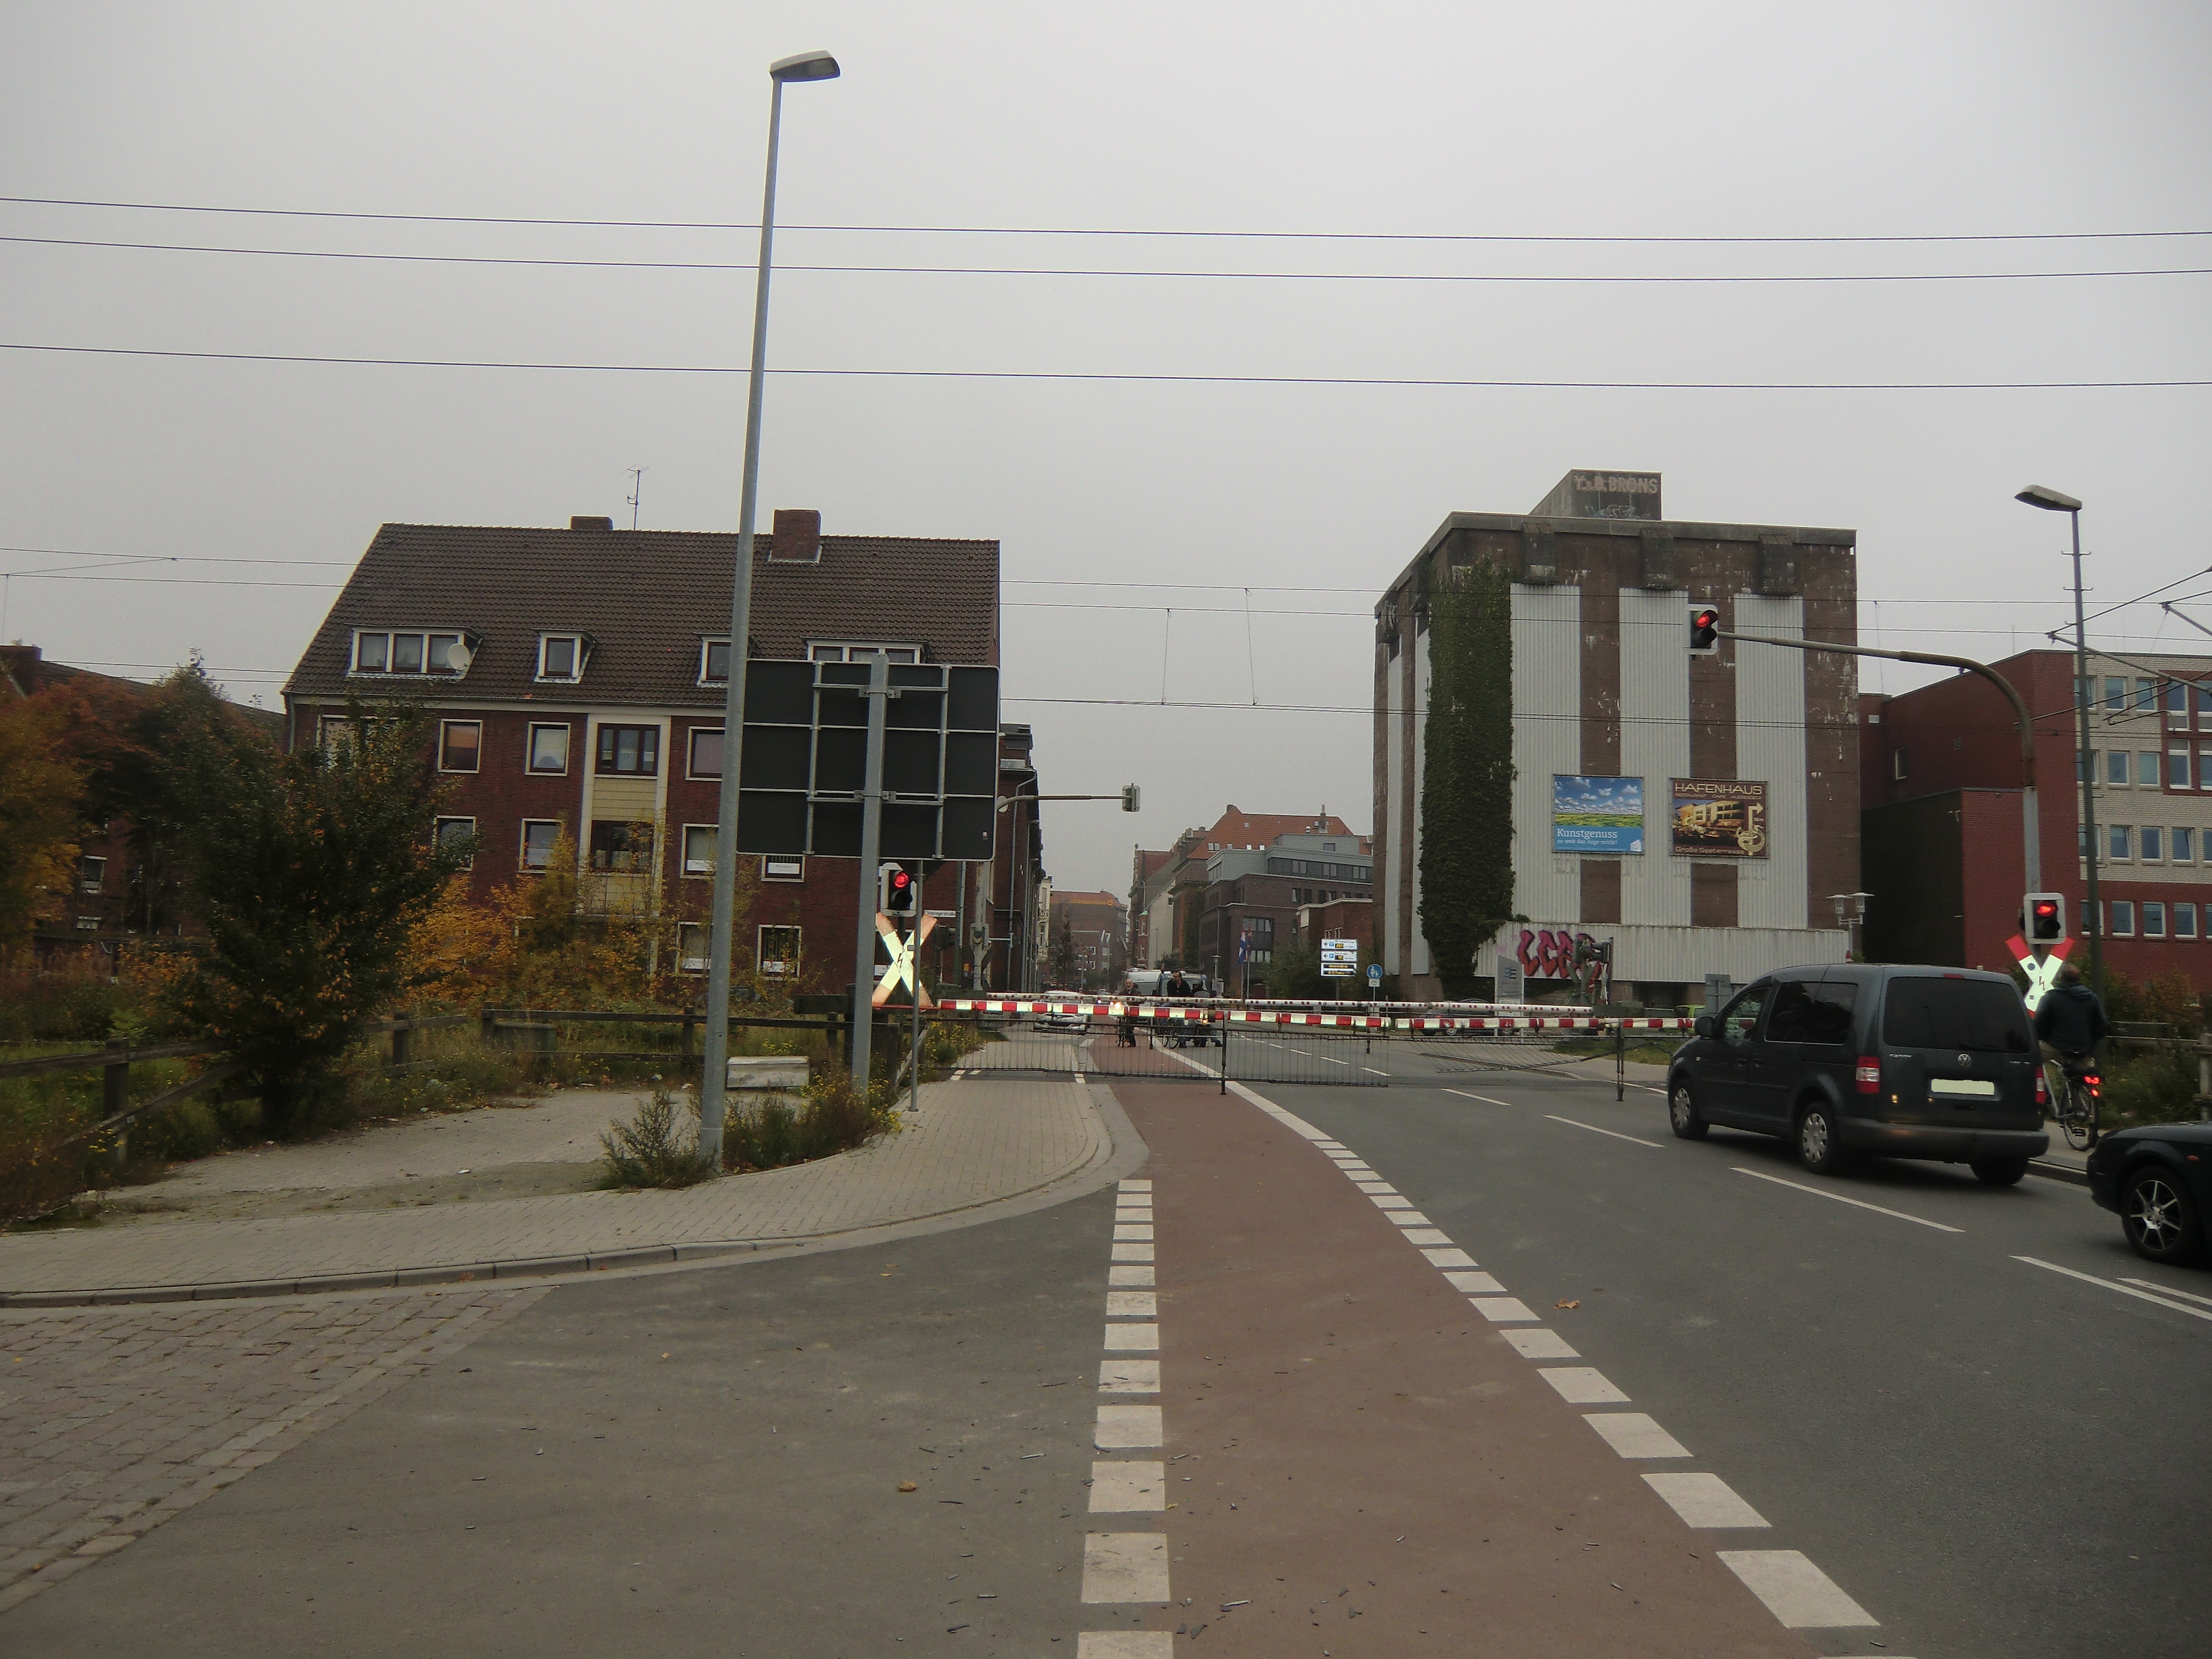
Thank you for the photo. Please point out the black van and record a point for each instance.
(1854, 1057)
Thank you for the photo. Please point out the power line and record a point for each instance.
(1391, 382)
(1082, 230)
(1538, 278)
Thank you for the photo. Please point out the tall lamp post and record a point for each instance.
(2052, 501)
(714, 1076)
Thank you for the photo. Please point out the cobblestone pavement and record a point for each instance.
(114, 1419)
(972, 1142)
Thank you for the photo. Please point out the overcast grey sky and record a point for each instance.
(1676, 120)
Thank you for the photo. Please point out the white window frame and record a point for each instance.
(2179, 911)
(2123, 834)
(897, 650)
(1896, 772)
(706, 645)
(458, 635)
(2146, 907)
(2123, 908)
(576, 643)
(2143, 855)
(706, 870)
(446, 725)
(330, 728)
(359, 634)
(2177, 766)
(769, 860)
(691, 753)
(2174, 853)
(438, 831)
(530, 748)
(91, 874)
(699, 933)
(2147, 760)
(522, 850)
(2119, 769)
(786, 964)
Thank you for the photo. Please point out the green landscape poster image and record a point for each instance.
(1596, 815)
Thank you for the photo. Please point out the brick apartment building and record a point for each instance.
(1944, 858)
(1095, 926)
(1614, 719)
(577, 678)
(1255, 896)
(1167, 889)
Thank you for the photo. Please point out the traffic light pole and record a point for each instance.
(876, 691)
(2030, 821)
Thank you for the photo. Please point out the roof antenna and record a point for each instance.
(636, 477)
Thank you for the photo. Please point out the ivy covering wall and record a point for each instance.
(1467, 782)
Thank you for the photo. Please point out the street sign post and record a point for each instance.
(1339, 958)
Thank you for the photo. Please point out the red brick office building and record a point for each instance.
(578, 676)
(1943, 845)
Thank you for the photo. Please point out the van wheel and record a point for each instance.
(1819, 1149)
(1682, 1113)
(2001, 1171)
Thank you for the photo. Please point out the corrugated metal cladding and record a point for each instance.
(1422, 677)
(1684, 956)
(1548, 738)
(1769, 745)
(1654, 745)
(1398, 845)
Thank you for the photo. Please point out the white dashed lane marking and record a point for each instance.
(1123, 1252)
(1123, 1428)
(1795, 1591)
(1633, 1434)
(1856, 1203)
(1427, 1235)
(1582, 1385)
(1615, 1133)
(1485, 1099)
(1474, 1285)
(1132, 1305)
(1133, 1339)
(1128, 1377)
(1704, 1500)
(1128, 1273)
(1408, 1219)
(1125, 1644)
(2168, 1290)
(1132, 1232)
(1125, 1566)
(1130, 1488)
(1537, 1343)
(1503, 1309)
(1453, 1258)
(2114, 1285)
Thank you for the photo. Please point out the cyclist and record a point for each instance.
(2070, 1024)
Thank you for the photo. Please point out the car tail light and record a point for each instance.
(2042, 1091)
(1870, 1074)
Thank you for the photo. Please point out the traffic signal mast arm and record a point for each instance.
(2033, 848)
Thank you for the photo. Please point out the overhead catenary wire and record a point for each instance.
(1830, 241)
(1534, 278)
(1100, 377)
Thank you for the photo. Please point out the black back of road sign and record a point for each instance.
(806, 756)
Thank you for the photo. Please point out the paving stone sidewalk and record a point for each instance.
(972, 1142)
(114, 1419)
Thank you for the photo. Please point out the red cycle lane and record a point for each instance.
(1359, 1464)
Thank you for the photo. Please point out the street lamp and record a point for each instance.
(714, 1076)
(2052, 501)
(1850, 912)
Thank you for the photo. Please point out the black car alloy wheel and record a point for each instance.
(2158, 1217)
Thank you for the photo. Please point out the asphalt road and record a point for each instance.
(1994, 1458)
(701, 1462)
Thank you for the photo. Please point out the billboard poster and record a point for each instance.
(1596, 815)
(1719, 819)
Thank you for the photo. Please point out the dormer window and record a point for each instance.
(849, 651)
(561, 657)
(381, 653)
(713, 662)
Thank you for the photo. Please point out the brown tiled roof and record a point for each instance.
(647, 597)
(1060, 898)
(1240, 829)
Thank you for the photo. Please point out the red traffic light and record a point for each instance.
(898, 890)
(1704, 630)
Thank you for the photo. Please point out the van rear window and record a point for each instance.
(1954, 1013)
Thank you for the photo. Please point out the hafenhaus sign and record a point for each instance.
(1719, 817)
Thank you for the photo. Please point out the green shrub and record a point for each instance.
(651, 1150)
(2157, 1086)
(832, 1117)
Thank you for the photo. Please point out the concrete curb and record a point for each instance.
(2065, 1172)
(1120, 1151)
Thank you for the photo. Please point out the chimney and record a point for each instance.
(797, 536)
(585, 521)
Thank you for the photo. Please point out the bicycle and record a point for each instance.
(2076, 1102)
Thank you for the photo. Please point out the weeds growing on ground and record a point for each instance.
(831, 1116)
(652, 1149)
